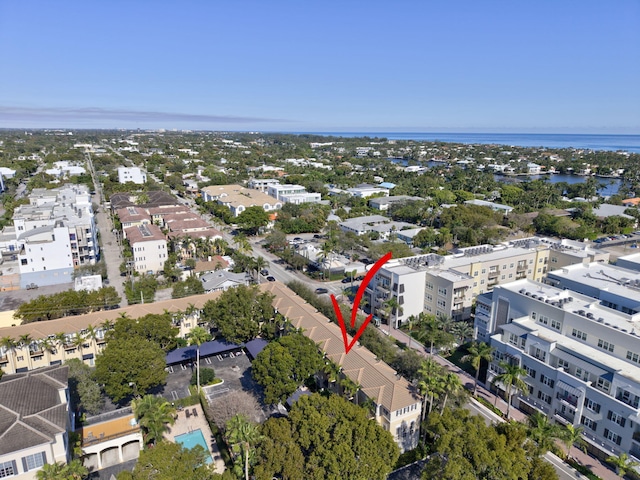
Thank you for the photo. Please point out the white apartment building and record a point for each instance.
(132, 174)
(366, 191)
(582, 360)
(149, 247)
(452, 282)
(295, 194)
(55, 233)
(262, 184)
(631, 262)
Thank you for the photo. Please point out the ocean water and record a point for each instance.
(628, 143)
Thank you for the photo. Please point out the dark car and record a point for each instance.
(320, 291)
(271, 279)
(264, 272)
(346, 280)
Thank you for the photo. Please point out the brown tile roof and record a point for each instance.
(139, 233)
(237, 195)
(376, 379)
(156, 199)
(207, 233)
(216, 261)
(132, 214)
(74, 324)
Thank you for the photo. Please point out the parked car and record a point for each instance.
(346, 280)
(271, 279)
(264, 272)
(320, 291)
(32, 286)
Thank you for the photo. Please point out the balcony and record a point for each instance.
(568, 399)
(564, 417)
(35, 352)
(521, 268)
(636, 436)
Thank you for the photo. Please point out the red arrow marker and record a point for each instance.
(354, 311)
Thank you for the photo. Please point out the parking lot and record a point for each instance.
(232, 367)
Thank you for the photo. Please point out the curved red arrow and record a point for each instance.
(354, 311)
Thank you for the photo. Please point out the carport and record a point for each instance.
(207, 349)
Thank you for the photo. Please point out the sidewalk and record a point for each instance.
(594, 464)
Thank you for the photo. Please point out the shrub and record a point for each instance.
(207, 376)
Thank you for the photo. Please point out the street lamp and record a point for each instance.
(135, 389)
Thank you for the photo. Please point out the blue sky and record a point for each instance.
(494, 66)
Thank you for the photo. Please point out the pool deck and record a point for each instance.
(186, 425)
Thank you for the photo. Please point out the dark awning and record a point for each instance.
(255, 346)
(186, 354)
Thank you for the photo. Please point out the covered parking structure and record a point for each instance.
(187, 355)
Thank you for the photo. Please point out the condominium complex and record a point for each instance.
(295, 194)
(132, 174)
(149, 246)
(237, 198)
(447, 285)
(55, 233)
(582, 360)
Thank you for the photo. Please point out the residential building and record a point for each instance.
(365, 190)
(149, 246)
(496, 207)
(133, 216)
(221, 280)
(615, 287)
(65, 169)
(362, 225)
(630, 262)
(237, 198)
(396, 405)
(55, 234)
(132, 174)
(295, 194)
(582, 361)
(36, 421)
(383, 203)
(606, 210)
(262, 184)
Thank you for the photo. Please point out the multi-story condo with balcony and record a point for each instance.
(449, 284)
(55, 233)
(132, 174)
(149, 246)
(582, 360)
(295, 194)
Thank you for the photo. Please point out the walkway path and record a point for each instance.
(597, 467)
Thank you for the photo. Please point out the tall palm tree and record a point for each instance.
(51, 471)
(572, 436)
(451, 385)
(622, 464)
(9, 344)
(260, 263)
(153, 413)
(476, 354)
(511, 379)
(61, 340)
(24, 342)
(220, 246)
(242, 243)
(429, 330)
(197, 337)
(246, 434)
(331, 370)
(393, 306)
(543, 432)
(349, 388)
(462, 331)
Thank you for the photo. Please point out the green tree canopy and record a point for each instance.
(325, 439)
(169, 461)
(238, 312)
(284, 365)
(84, 390)
(252, 219)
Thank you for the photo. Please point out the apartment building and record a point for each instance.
(452, 282)
(630, 262)
(582, 361)
(149, 246)
(384, 203)
(55, 234)
(397, 406)
(295, 194)
(132, 174)
(262, 184)
(237, 198)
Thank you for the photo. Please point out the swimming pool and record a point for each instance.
(191, 439)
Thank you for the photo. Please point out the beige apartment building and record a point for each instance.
(237, 198)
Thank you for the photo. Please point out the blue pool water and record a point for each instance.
(191, 439)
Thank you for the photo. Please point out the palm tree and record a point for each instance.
(197, 337)
(428, 369)
(61, 340)
(153, 413)
(571, 436)
(511, 378)
(331, 370)
(220, 246)
(476, 353)
(462, 331)
(24, 341)
(260, 263)
(241, 431)
(430, 331)
(451, 385)
(543, 432)
(9, 345)
(242, 243)
(622, 464)
(393, 306)
(349, 388)
(57, 471)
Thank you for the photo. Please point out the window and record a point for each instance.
(513, 339)
(8, 469)
(543, 320)
(616, 418)
(591, 405)
(428, 297)
(31, 462)
(603, 385)
(579, 335)
(544, 397)
(613, 437)
(547, 381)
(590, 424)
(442, 291)
(605, 345)
(563, 363)
(633, 356)
(442, 303)
(555, 324)
(429, 286)
(531, 372)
